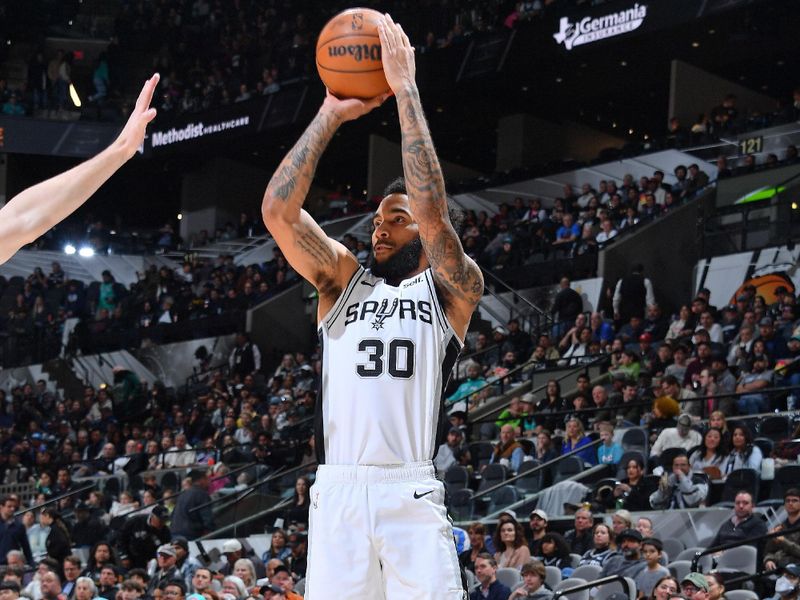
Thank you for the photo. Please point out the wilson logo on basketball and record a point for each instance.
(358, 22)
(358, 52)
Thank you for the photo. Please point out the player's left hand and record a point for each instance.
(397, 55)
(132, 135)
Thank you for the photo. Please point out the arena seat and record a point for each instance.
(552, 577)
(740, 479)
(462, 505)
(635, 438)
(481, 453)
(509, 576)
(571, 583)
(788, 476)
(741, 595)
(673, 546)
(567, 467)
(742, 559)
(456, 478)
(491, 476)
(775, 427)
(532, 482)
(502, 498)
(689, 553)
(679, 568)
(587, 572)
(615, 587)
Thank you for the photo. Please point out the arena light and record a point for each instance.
(180, 216)
(70, 249)
(86, 252)
(73, 95)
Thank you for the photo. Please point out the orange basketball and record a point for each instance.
(349, 55)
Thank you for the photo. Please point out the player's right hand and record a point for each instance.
(132, 135)
(349, 109)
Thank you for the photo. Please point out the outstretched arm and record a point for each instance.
(457, 275)
(32, 212)
(322, 261)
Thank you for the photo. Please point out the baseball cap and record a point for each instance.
(270, 587)
(160, 511)
(456, 430)
(765, 321)
(500, 329)
(630, 534)
(231, 546)
(529, 398)
(792, 569)
(181, 541)
(539, 513)
(166, 549)
(685, 420)
(646, 337)
(698, 580)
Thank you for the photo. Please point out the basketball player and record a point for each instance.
(32, 212)
(390, 335)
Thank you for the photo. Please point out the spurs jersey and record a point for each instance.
(387, 354)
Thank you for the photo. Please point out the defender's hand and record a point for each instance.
(349, 109)
(132, 135)
(397, 55)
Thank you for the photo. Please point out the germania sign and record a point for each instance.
(593, 29)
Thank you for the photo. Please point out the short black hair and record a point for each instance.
(398, 186)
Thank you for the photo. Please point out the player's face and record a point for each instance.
(394, 227)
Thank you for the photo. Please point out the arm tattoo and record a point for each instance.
(460, 277)
(319, 249)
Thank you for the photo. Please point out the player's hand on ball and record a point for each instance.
(348, 109)
(132, 135)
(397, 55)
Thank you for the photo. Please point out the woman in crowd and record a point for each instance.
(477, 535)
(85, 589)
(576, 438)
(278, 548)
(556, 553)
(234, 586)
(603, 538)
(532, 586)
(717, 420)
(716, 586)
(710, 456)
(551, 403)
(246, 571)
(744, 453)
(634, 489)
(297, 512)
(544, 451)
(511, 545)
(58, 542)
(665, 588)
(123, 506)
(621, 520)
(678, 324)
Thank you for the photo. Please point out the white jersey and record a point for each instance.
(387, 354)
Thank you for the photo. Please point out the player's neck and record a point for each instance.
(396, 281)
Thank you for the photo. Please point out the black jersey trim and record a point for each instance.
(448, 362)
(319, 419)
(339, 306)
(435, 300)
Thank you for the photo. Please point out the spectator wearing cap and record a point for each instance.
(142, 534)
(270, 591)
(298, 559)
(532, 586)
(652, 552)
(187, 565)
(753, 401)
(166, 568)
(787, 587)
(785, 549)
(489, 588)
(88, 530)
(451, 452)
(477, 541)
(680, 488)
(192, 517)
(12, 531)
(628, 562)
(695, 586)
(743, 524)
(283, 579)
(680, 436)
(538, 523)
(647, 354)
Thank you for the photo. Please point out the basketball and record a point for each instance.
(349, 55)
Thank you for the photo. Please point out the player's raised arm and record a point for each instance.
(32, 212)
(322, 261)
(458, 275)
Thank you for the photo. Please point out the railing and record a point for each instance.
(531, 321)
(754, 541)
(56, 499)
(596, 583)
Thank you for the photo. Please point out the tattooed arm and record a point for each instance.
(457, 275)
(324, 262)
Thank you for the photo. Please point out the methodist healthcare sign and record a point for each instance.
(593, 29)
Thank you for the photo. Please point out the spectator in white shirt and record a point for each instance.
(607, 231)
(680, 436)
(714, 329)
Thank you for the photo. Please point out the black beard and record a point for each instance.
(400, 265)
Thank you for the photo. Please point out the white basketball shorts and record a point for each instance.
(381, 533)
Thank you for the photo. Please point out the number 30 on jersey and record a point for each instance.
(396, 358)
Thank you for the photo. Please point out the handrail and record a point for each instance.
(239, 494)
(516, 294)
(545, 465)
(746, 542)
(246, 519)
(56, 499)
(595, 583)
(498, 409)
